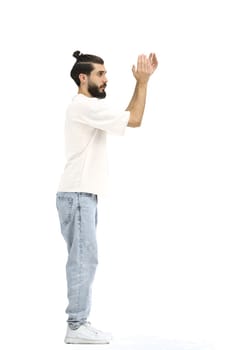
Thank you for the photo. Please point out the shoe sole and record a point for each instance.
(85, 341)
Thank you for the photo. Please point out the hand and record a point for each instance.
(145, 67)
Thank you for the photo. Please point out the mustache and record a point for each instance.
(103, 86)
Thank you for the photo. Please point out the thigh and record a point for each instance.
(88, 211)
(65, 202)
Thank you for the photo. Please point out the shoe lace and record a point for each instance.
(88, 325)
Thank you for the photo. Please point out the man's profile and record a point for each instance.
(88, 121)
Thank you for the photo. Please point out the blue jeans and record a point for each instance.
(78, 220)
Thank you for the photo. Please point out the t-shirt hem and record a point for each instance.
(83, 190)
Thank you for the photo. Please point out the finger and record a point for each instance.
(154, 60)
(144, 63)
(139, 63)
(148, 64)
(133, 69)
(151, 57)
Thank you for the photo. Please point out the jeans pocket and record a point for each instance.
(65, 207)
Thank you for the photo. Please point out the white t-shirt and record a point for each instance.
(88, 120)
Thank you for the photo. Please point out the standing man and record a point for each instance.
(88, 120)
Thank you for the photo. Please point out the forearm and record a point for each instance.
(145, 68)
(137, 104)
(133, 98)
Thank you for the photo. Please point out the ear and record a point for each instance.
(82, 78)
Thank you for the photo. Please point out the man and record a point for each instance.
(88, 120)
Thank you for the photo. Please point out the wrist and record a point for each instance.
(142, 83)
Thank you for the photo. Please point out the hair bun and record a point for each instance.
(77, 54)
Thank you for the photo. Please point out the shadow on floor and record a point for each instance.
(149, 343)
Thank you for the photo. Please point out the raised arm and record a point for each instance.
(145, 68)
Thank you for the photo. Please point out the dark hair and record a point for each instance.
(83, 65)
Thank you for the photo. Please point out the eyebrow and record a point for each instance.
(101, 71)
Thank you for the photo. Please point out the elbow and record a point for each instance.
(134, 124)
(137, 124)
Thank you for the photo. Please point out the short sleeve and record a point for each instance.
(97, 114)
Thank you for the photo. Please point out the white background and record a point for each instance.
(165, 249)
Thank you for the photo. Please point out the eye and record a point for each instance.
(101, 73)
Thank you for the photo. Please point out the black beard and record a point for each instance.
(94, 91)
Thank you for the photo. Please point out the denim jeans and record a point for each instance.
(78, 220)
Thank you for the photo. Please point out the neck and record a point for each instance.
(84, 92)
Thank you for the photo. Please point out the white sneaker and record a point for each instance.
(86, 334)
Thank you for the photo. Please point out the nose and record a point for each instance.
(105, 79)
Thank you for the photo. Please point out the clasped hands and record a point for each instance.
(145, 67)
